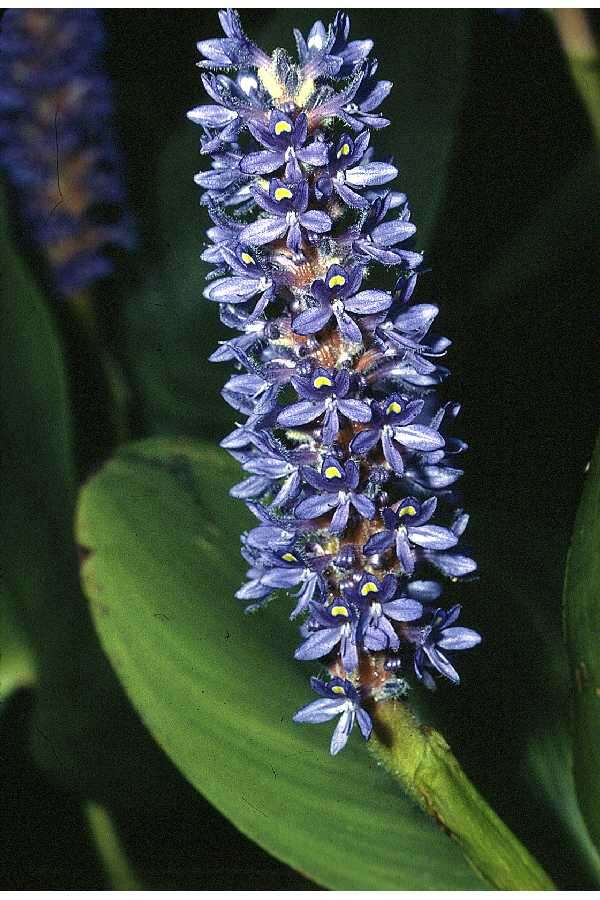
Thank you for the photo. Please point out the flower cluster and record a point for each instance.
(345, 447)
(56, 142)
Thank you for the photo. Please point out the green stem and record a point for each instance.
(118, 869)
(581, 51)
(421, 760)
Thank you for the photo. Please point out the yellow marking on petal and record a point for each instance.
(336, 280)
(343, 151)
(271, 83)
(248, 259)
(283, 193)
(282, 126)
(394, 407)
(305, 92)
(340, 611)
(289, 557)
(338, 689)
(369, 588)
(407, 511)
(322, 381)
(332, 472)
(263, 183)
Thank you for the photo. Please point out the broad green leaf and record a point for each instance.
(170, 328)
(582, 622)
(217, 689)
(36, 471)
(84, 731)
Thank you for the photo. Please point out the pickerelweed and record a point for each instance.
(350, 469)
(57, 144)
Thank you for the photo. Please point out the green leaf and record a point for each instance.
(37, 474)
(105, 836)
(582, 622)
(17, 665)
(217, 689)
(83, 730)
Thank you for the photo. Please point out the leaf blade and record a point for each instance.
(582, 626)
(231, 734)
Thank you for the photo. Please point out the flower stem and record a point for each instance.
(421, 760)
(117, 867)
(581, 52)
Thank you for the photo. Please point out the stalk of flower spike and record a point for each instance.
(350, 469)
(57, 146)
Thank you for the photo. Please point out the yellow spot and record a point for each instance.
(340, 611)
(322, 381)
(282, 126)
(263, 183)
(282, 193)
(368, 588)
(337, 689)
(305, 92)
(248, 259)
(407, 511)
(271, 83)
(343, 151)
(332, 472)
(394, 407)
(289, 557)
(336, 280)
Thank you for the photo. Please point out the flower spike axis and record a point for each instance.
(350, 468)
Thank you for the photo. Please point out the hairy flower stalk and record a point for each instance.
(57, 146)
(350, 469)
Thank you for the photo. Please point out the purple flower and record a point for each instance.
(289, 216)
(338, 485)
(338, 697)
(285, 143)
(336, 295)
(235, 49)
(391, 425)
(283, 570)
(377, 239)
(406, 527)
(329, 626)
(440, 634)
(345, 176)
(378, 603)
(324, 393)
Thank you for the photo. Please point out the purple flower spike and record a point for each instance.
(348, 462)
(55, 97)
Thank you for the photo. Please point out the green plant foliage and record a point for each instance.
(218, 689)
(83, 730)
(36, 474)
(582, 621)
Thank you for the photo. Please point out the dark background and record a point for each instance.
(524, 365)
